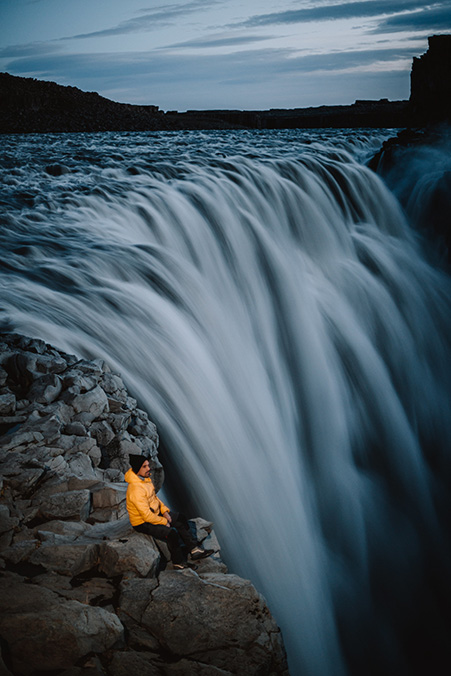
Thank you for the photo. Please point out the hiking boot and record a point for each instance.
(184, 566)
(199, 553)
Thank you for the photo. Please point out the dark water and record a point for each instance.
(267, 302)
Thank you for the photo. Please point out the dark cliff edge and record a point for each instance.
(28, 105)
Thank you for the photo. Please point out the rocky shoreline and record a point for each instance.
(80, 591)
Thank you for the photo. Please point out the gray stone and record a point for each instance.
(44, 631)
(130, 663)
(20, 438)
(20, 551)
(50, 364)
(7, 403)
(115, 404)
(93, 402)
(80, 465)
(119, 421)
(109, 495)
(112, 383)
(69, 529)
(136, 554)
(3, 376)
(45, 389)
(135, 596)
(74, 505)
(6, 521)
(75, 428)
(233, 629)
(102, 432)
(71, 558)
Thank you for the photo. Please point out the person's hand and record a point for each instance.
(168, 518)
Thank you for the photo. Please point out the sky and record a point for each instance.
(213, 54)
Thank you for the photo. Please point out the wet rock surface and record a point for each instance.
(80, 591)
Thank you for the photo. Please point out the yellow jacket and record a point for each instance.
(143, 505)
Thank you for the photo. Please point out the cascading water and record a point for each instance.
(266, 302)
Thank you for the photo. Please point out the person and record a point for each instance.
(149, 515)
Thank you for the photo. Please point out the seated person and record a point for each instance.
(149, 515)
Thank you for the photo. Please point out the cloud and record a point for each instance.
(151, 19)
(206, 68)
(430, 19)
(227, 41)
(31, 49)
(263, 78)
(343, 10)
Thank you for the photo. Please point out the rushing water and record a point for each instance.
(265, 300)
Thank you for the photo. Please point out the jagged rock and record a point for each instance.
(92, 403)
(68, 559)
(218, 620)
(64, 527)
(75, 428)
(7, 404)
(44, 631)
(74, 505)
(95, 591)
(45, 389)
(136, 554)
(102, 432)
(108, 502)
(6, 521)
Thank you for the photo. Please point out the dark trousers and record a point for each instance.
(178, 533)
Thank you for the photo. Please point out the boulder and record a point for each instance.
(215, 619)
(70, 558)
(134, 555)
(7, 404)
(73, 505)
(44, 631)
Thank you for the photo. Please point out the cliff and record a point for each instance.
(80, 591)
(430, 82)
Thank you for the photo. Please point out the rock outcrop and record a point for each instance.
(430, 82)
(80, 591)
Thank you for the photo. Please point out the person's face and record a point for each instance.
(145, 470)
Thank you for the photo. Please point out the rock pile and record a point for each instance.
(80, 591)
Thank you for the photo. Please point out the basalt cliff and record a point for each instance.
(81, 593)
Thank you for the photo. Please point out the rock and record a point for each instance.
(102, 432)
(108, 502)
(45, 389)
(68, 559)
(95, 591)
(74, 505)
(6, 521)
(126, 663)
(94, 403)
(45, 632)
(109, 495)
(7, 404)
(75, 428)
(64, 527)
(136, 554)
(68, 529)
(219, 620)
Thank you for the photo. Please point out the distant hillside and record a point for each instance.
(29, 105)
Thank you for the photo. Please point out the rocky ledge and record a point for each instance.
(81, 593)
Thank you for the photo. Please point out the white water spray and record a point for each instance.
(277, 320)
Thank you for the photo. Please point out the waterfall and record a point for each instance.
(276, 318)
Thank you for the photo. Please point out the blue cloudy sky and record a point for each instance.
(199, 54)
